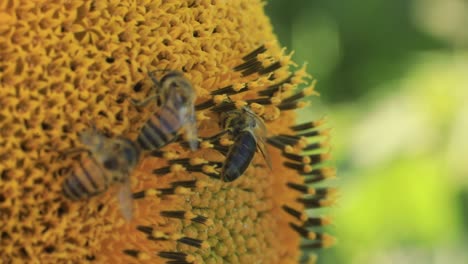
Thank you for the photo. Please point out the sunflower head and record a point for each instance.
(64, 66)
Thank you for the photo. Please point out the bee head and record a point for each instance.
(111, 163)
(233, 121)
(92, 138)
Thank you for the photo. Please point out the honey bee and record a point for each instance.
(109, 161)
(249, 134)
(176, 99)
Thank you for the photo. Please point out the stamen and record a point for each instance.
(186, 215)
(298, 215)
(315, 202)
(262, 101)
(194, 242)
(301, 168)
(317, 221)
(287, 139)
(229, 90)
(251, 68)
(147, 193)
(325, 172)
(313, 146)
(162, 171)
(272, 67)
(205, 105)
(248, 66)
(164, 154)
(187, 184)
(303, 232)
(224, 107)
(278, 144)
(308, 259)
(308, 125)
(136, 254)
(291, 105)
(208, 170)
(324, 241)
(312, 191)
(269, 91)
(177, 256)
(254, 53)
(296, 157)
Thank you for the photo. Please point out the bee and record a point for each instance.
(249, 134)
(176, 99)
(108, 161)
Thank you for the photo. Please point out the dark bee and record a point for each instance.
(176, 98)
(109, 161)
(249, 134)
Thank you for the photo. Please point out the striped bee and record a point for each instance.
(249, 134)
(108, 161)
(176, 99)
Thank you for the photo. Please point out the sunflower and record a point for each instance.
(66, 65)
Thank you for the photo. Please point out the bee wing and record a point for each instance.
(126, 200)
(190, 126)
(261, 135)
(262, 147)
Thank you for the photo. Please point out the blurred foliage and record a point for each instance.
(393, 81)
(351, 46)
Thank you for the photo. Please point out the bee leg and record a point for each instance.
(145, 101)
(153, 77)
(217, 136)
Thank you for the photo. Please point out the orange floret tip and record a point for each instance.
(226, 142)
(201, 116)
(197, 161)
(240, 104)
(67, 66)
(182, 190)
(218, 99)
(206, 145)
(237, 87)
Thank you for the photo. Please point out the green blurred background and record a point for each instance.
(393, 79)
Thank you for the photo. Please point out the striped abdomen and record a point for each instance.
(239, 156)
(85, 179)
(160, 130)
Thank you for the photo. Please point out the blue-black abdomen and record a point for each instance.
(239, 156)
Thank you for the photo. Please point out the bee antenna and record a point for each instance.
(152, 75)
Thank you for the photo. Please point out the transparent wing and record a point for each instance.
(190, 126)
(126, 200)
(260, 133)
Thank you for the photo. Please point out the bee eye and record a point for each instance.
(129, 154)
(111, 164)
